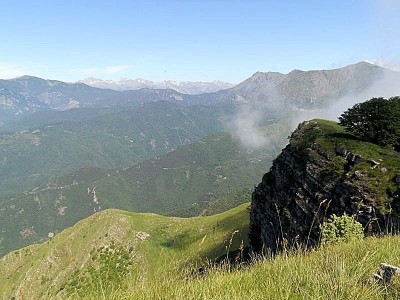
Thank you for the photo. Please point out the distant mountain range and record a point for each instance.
(185, 87)
(297, 90)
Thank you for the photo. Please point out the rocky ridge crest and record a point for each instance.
(321, 172)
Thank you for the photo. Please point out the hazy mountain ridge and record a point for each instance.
(296, 90)
(185, 87)
(309, 89)
(56, 95)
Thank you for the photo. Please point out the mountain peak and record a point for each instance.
(265, 75)
(27, 77)
(365, 63)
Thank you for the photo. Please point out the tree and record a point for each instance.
(376, 120)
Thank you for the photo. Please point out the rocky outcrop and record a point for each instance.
(385, 273)
(307, 184)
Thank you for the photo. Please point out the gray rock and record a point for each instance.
(358, 174)
(297, 195)
(386, 273)
(374, 164)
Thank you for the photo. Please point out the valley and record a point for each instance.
(35, 152)
(182, 182)
(121, 193)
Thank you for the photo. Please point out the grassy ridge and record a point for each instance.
(143, 243)
(121, 255)
(161, 264)
(380, 180)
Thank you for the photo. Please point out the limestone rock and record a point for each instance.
(386, 273)
(300, 191)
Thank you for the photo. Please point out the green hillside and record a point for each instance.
(102, 251)
(51, 117)
(209, 176)
(33, 157)
(119, 255)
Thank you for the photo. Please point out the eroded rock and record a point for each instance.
(301, 190)
(386, 273)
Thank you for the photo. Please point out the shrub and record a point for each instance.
(341, 229)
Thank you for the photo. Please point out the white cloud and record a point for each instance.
(10, 70)
(244, 126)
(385, 87)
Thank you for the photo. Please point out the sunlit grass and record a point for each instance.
(336, 272)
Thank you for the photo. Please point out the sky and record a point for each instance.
(193, 40)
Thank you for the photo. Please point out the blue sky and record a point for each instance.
(193, 40)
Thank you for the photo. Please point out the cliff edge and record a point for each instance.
(324, 171)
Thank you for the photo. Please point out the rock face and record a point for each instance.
(307, 184)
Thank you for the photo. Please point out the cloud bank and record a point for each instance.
(244, 126)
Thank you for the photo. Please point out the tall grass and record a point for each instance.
(334, 272)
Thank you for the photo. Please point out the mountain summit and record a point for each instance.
(309, 89)
(297, 90)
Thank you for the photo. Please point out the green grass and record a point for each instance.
(110, 246)
(102, 257)
(339, 272)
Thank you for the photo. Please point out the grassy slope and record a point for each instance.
(161, 267)
(337, 272)
(147, 241)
